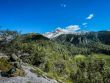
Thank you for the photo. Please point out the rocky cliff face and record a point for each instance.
(85, 38)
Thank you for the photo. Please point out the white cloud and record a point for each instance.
(73, 27)
(63, 5)
(68, 29)
(90, 17)
(84, 24)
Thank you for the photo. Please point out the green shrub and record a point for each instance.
(4, 64)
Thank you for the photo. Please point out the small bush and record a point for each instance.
(4, 64)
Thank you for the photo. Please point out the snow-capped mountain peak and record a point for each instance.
(68, 30)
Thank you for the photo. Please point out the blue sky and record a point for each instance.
(42, 16)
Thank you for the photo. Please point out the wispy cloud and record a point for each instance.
(84, 24)
(68, 29)
(90, 17)
(63, 5)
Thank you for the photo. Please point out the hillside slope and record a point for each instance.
(68, 58)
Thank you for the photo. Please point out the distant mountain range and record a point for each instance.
(85, 38)
(79, 37)
(98, 42)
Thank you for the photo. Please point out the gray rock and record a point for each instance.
(17, 65)
(3, 55)
(29, 78)
(25, 54)
(14, 57)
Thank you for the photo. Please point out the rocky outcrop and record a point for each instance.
(28, 78)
